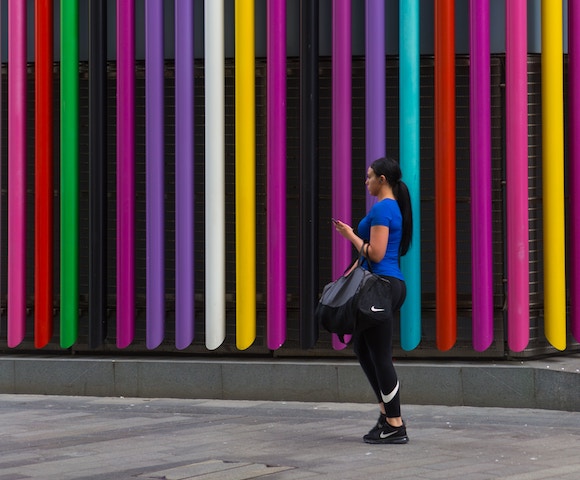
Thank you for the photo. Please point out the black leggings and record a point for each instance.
(374, 350)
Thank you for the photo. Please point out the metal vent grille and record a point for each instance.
(291, 347)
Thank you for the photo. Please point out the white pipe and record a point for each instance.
(215, 278)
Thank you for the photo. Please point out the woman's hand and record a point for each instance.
(345, 230)
(377, 246)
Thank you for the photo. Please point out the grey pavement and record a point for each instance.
(102, 438)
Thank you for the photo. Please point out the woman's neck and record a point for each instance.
(385, 192)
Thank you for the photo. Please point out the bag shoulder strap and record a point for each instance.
(361, 256)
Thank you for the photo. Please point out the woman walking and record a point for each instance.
(386, 233)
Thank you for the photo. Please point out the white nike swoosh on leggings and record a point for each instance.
(390, 396)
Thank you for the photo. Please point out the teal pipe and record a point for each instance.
(409, 148)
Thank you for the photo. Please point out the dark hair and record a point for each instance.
(390, 168)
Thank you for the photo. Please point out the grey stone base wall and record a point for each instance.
(551, 384)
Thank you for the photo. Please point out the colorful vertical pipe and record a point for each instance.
(43, 205)
(184, 242)
(375, 79)
(245, 175)
(517, 243)
(125, 172)
(1, 163)
(445, 227)
(480, 154)
(155, 173)
(16, 172)
(574, 161)
(97, 172)
(69, 168)
(276, 174)
(553, 175)
(308, 171)
(341, 135)
(215, 246)
(410, 158)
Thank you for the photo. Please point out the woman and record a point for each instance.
(387, 229)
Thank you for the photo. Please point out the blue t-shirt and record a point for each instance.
(386, 213)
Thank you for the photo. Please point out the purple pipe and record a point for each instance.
(276, 178)
(341, 136)
(375, 120)
(154, 104)
(574, 161)
(184, 155)
(125, 172)
(16, 172)
(480, 127)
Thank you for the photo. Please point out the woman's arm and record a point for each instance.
(378, 244)
(377, 247)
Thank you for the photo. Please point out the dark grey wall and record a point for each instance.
(391, 35)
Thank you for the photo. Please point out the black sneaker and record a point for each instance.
(381, 422)
(387, 434)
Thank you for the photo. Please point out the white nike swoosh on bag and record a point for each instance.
(385, 435)
(375, 309)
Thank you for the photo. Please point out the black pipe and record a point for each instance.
(308, 171)
(97, 172)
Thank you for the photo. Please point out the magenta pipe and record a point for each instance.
(574, 161)
(16, 311)
(341, 136)
(125, 172)
(517, 246)
(480, 127)
(276, 178)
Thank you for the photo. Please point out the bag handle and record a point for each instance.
(359, 260)
(362, 257)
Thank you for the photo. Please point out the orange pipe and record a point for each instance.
(445, 228)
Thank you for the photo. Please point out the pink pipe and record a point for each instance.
(517, 176)
(125, 172)
(341, 137)
(574, 161)
(16, 172)
(276, 164)
(480, 128)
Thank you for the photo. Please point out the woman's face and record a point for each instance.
(373, 182)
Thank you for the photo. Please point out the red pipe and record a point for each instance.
(445, 228)
(43, 239)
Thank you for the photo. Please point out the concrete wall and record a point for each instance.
(547, 384)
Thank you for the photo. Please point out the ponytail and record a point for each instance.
(390, 168)
(404, 200)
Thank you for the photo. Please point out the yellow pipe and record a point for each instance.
(553, 175)
(245, 175)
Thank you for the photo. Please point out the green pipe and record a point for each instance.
(69, 151)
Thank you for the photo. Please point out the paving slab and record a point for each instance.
(120, 438)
